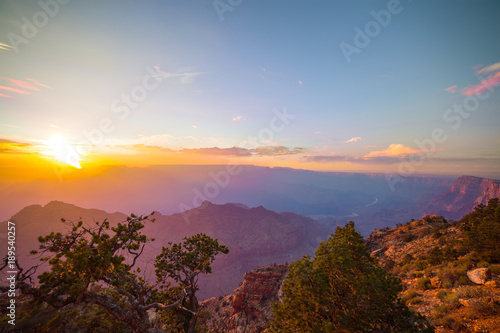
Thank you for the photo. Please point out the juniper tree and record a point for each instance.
(343, 289)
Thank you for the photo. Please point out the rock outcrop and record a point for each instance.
(464, 194)
(249, 309)
(479, 276)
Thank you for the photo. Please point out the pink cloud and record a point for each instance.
(492, 79)
(22, 84)
(20, 87)
(15, 90)
(485, 84)
(394, 150)
(452, 89)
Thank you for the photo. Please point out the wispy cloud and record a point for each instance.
(278, 150)
(489, 77)
(355, 139)
(185, 77)
(452, 89)
(380, 160)
(488, 69)
(5, 47)
(143, 147)
(485, 84)
(19, 86)
(234, 151)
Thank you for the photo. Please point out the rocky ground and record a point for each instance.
(455, 295)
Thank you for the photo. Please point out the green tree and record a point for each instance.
(343, 289)
(482, 231)
(96, 265)
(183, 263)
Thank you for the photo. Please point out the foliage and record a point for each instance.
(92, 268)
(183, 263)
(424, 283)
(482, 230)
(343, 289)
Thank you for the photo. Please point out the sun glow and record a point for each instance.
(62, 150)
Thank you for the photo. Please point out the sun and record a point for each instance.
(62, 150)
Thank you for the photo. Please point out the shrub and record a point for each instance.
(410, 294)
(482, 264)
(420, 265)
(463, 280)
(436, 233)
(452, 276)
(469, 292)
(441, 310)
(486, 308)
(408, 238)
(435, 257)
(440, 294)
(447, 296)
(495, 269)
(407, 258)
(414, 300)
(424, 283)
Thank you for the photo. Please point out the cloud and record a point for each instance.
(486, 84)
(278, 150)
(19, 86)
(355, 139)
(185, 77)
(452, 89)
(234, 151)
(12, 147)
(5, 47)
(393, 150)
(216, 151)
(489, 78)
(489, 69)
(327, 158)
(380, 160)
(143, 147)
(19, 91)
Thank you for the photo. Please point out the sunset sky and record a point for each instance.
(410, 86)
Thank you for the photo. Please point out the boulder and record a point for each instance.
(480, 275)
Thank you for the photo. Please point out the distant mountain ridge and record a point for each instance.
(464, 194)
(255, 236)
(175, 188)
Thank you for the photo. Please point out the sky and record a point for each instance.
(408, 87)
